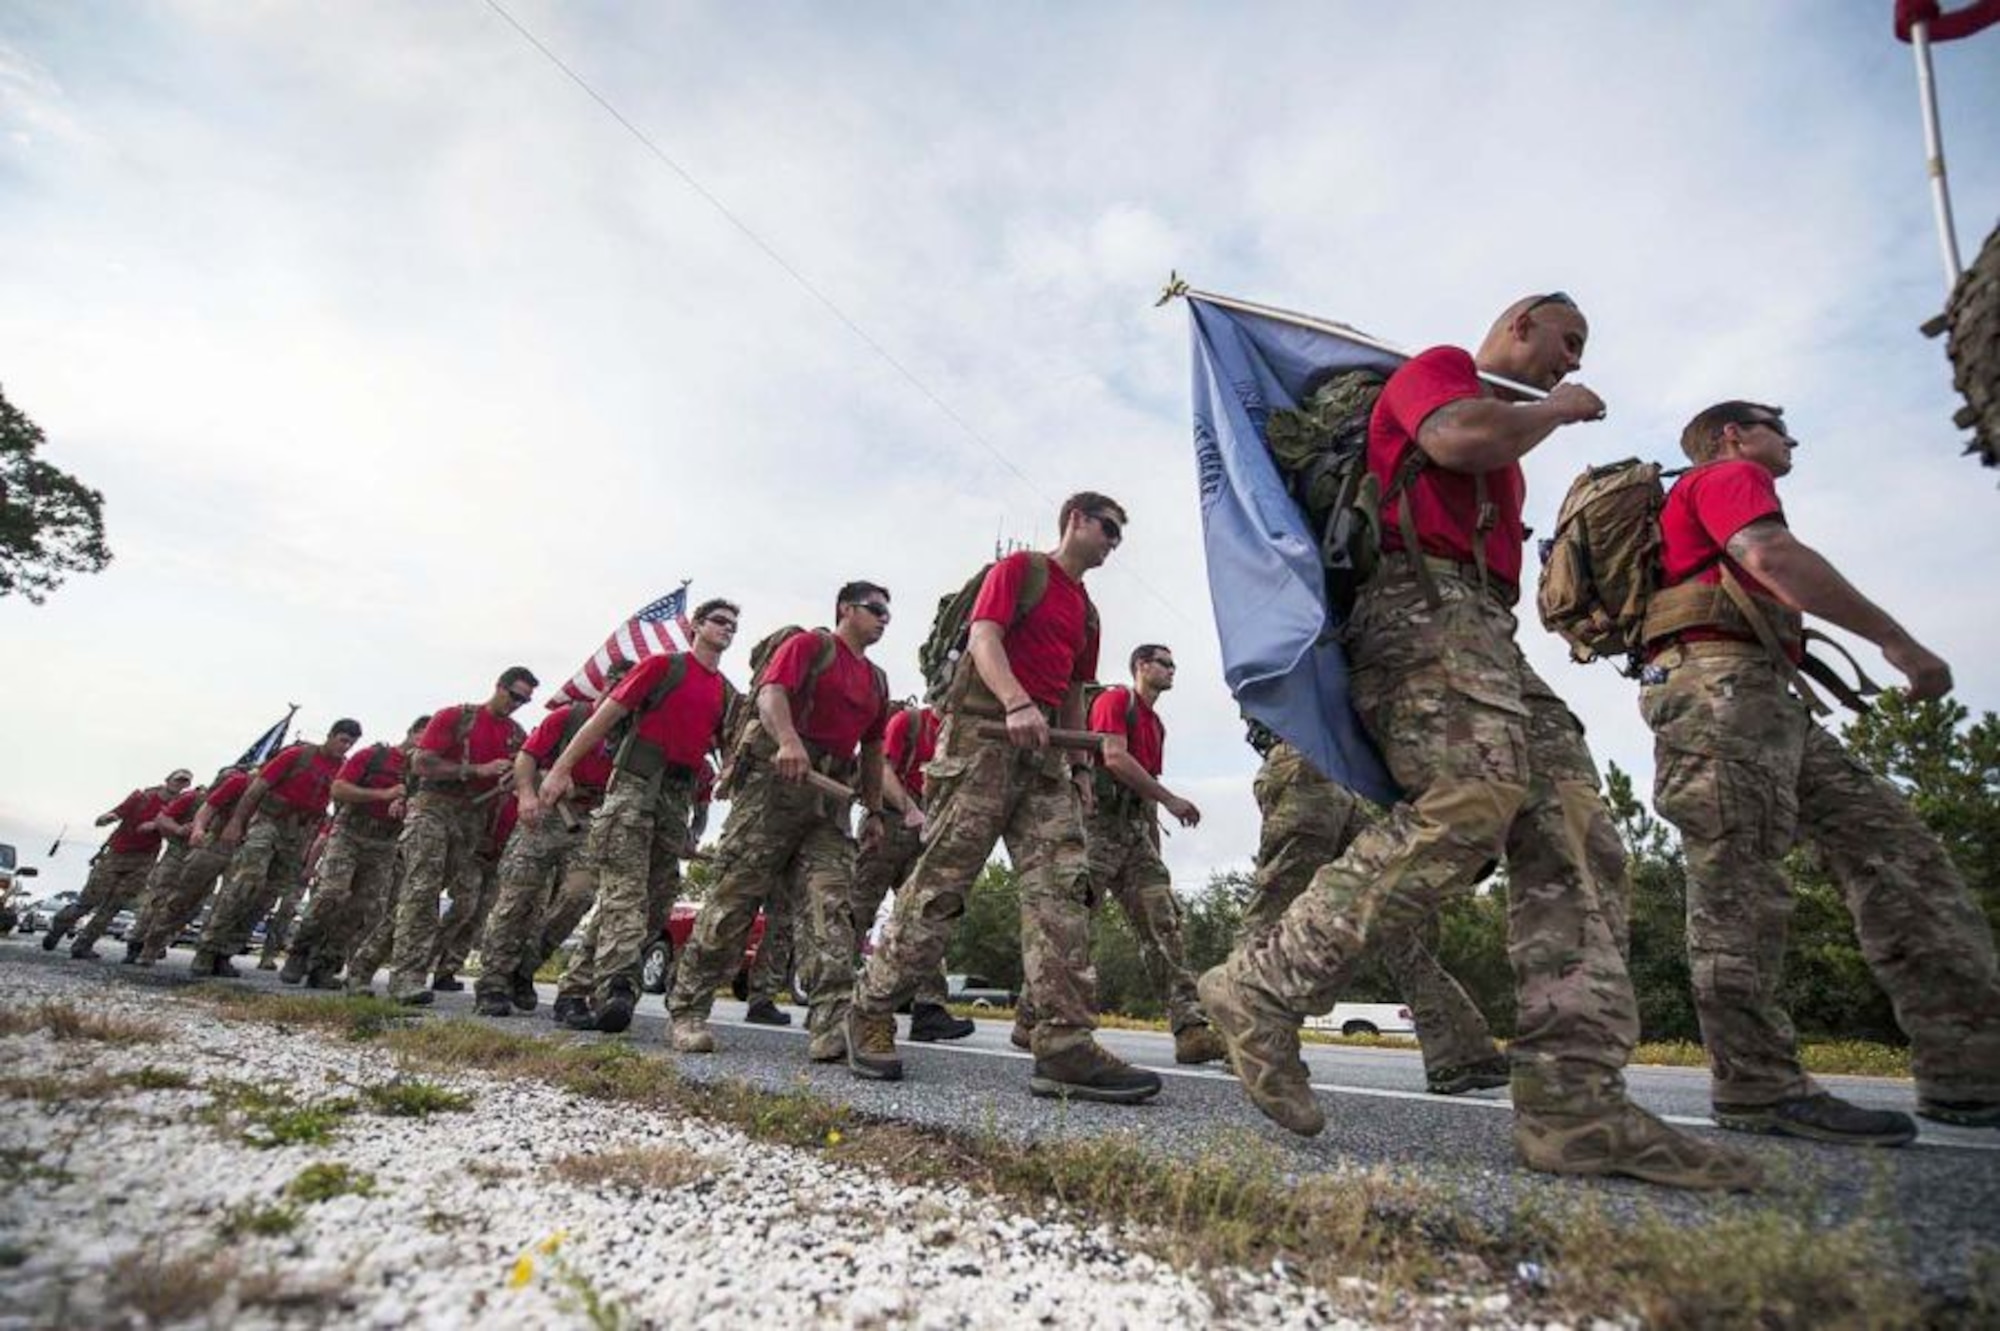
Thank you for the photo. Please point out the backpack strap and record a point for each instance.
(913, 739)
(1413, 461)
(378, 753)
(670, 679)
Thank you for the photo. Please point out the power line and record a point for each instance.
(804, 283)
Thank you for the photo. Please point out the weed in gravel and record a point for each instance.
(18, 1166)
(268, 1118)
(641, 1168)
(163, 1287)
(251, 1219)
(580, 1296)
(66, 1021)
(358, 1018)
(328, 1179)
(152, 1078)
(413, 1097)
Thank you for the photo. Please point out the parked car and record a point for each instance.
(121, 924)
(977, 991)
(1365, 1019)
(662, 959)
(13, 896)
(38, 915)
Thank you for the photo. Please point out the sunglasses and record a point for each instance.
(721, 622)
(1777, 428)
(521, 699)
(1111, 527)
(875, 608)
(1164, 665)
(1553, 298)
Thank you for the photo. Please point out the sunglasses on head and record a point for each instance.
(1553, 298)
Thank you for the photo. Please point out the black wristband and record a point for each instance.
(1021, 706)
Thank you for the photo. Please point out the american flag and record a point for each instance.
(659, 627)
(269, 742)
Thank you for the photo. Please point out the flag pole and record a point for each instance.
(1920, 42)
(1177, 286)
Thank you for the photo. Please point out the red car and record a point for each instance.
(664, 955)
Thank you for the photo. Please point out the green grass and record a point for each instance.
(251, 1220)
(327, 1179)
(412, 1097)
(268, 1118)
(65, 1021)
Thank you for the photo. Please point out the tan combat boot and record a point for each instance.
(1263, 1043)
(871, 1046)
(1198, 1044)
(1575, 1119)
(690, 1035)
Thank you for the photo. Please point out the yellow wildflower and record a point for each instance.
(549, 1245)
(523, 1272)
(833, 1137)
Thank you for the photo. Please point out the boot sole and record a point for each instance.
(862, 1067)
(1687, 1182)
(1768, 1128)
(1049, 1089)
(1961, 1118)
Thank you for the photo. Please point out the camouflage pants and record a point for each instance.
(771, 970)
(1493, 763)
(1309, 821)
(376, 937)
(278, 925)
(465, 919)
(535, 869)
(440, 851)
(635, 841)
(1125, 866)
(982, 792)
(179, 899)
(269, 861)
(575, 894)
(115, 881)
(878, 874)
(775, 829)
(159, 886)
(352, 894)
(1743, 772)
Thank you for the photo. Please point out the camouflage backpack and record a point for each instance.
(1321, 450)
(1602, 566)
(947, 671)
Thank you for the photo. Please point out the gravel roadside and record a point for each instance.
(136, 1203)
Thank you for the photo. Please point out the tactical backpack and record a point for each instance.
(913, 741)
(1321, 450)
(1602, 566)
(1602, 588)
(947, 667)
(1110, 791)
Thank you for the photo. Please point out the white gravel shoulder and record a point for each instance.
(97, 1193)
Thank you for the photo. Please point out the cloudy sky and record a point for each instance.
(399, 360)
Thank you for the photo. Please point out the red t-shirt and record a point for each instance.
(223, 798)
(390, 767)
(1147, 738)
(847, 707)
(684, 724)
(490, 737)
(545, 744)
(181, 809)
(909, 767)
(1443, 504)
(505, 816)
(301, 784)
(1705, 508)
(128, 838)
(1050, 647)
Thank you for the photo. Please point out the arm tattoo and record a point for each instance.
(1443, 419)
(1763, 532)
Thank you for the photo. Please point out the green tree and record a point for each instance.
(987, 939)
(51, 524)
(1659, 958)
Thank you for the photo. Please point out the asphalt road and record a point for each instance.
(1945, 1188)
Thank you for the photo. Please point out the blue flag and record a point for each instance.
(267, 743)
(1264, 572)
